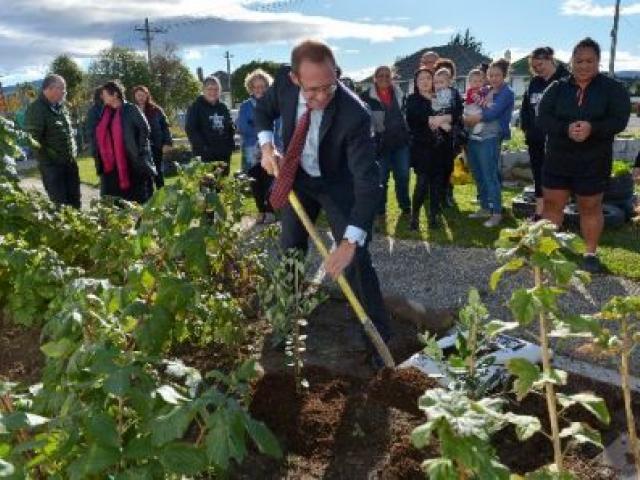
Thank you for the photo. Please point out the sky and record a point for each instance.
(363, 33)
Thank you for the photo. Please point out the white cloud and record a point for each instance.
(588, 8)
(192, 54)
(360, 73)
(28, 36)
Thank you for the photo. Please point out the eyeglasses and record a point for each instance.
(326, 89)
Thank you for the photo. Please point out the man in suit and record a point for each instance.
(330, 160)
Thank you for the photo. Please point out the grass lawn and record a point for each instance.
(619, 248)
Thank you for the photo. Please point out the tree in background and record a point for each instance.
(174, 86)
(466, 40)
(171, 83)
(66, 67)
(237, 78)
(120, 63)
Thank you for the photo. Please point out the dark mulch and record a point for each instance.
(20, 357)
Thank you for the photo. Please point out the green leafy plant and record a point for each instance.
(620, 168)
(625, 312)
(470, 365)
(541, 249)
(286, 304)
(463, 428)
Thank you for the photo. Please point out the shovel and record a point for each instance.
(367, 324)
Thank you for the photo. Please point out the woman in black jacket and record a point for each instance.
(122, 148)
(430, 173)
(160, 133)
(581, 114)
(545, 71)
(209, 125)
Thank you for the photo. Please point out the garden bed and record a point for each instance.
(359, 426)
(352, 423)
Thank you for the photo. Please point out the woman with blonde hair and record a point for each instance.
(256, 82)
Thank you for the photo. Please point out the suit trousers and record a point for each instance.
(62, 183)
(315, 196)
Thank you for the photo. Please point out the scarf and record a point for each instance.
(110, 140)
(385, 95)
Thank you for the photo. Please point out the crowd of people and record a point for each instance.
(569, 118)
(306, 131)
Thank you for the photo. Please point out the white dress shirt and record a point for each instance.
(310, 162)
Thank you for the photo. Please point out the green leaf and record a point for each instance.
(526, 374)
(421, 436)
(181, 458)
(170, 426)
(139, 449)
(547, 245)
(118, 382)
(170, 395)
(264, 439)
(496, 327)
(525, 425)
(155, 329)
(440, 469)
(562, 270)
(523, 306)
(104, 430)
(17, 420)
(59, 349)
(6, 469)
(511, 266)
(582, 433)
(590, 402)
(226, 437)
(93, 461)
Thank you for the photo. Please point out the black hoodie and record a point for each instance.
(530, 101)
(210, 130)
(604, 103)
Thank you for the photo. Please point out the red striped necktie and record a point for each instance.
(284, 183)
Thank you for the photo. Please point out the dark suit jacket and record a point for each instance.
(347, 149)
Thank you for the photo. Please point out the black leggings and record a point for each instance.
(536, 158)
(435, 180)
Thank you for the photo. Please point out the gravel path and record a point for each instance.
(87, 193)
(440, 277)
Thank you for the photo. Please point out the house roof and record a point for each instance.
(465, 59)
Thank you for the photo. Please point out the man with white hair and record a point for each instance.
(49, 123)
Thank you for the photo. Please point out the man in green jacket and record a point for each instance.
(48, 121)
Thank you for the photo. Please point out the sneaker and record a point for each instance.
(494, 220)
(591, 264)
(482, 213)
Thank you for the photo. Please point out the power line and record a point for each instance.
(148, 36)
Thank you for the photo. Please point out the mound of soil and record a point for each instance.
(20, 357)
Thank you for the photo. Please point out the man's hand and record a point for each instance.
(166, 148)
(340, 259)
(271, 159)
(636, 174)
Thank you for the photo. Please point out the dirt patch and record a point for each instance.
(20, 357)
(400, 388)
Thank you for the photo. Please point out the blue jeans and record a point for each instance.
(484, 159)
(397, 161)
(249, 158)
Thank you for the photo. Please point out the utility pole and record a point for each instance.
(614, 40)
(228, 56)
(148, 36)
